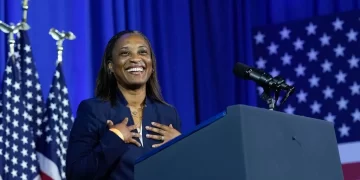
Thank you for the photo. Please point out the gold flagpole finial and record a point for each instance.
(60, 37)
(11, 30)
(25, 7)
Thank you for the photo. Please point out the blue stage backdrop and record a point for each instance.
(196, 43)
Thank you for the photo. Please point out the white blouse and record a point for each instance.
(141, 137)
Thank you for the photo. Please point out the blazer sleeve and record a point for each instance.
(88, 155)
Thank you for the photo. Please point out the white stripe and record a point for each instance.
(349, 152)
(48, 167)
(36, 178)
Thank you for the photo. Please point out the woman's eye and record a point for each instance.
(124, 53)
(143, 52)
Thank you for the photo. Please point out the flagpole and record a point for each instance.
(25, 8)
(60, 37)
(11, 30)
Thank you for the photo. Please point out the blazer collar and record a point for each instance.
(149, 115)
(121, 99)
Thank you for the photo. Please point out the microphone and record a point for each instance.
(260, 77)
(266, 81)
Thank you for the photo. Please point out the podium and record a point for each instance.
(247, 143)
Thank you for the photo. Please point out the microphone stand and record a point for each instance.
(277, 86)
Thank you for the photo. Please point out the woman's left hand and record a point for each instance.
(166, 133)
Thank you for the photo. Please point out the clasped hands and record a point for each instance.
(165, 133)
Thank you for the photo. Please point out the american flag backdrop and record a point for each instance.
(31, 87)
(33, 137)
(18, 159)
(321, 58)
(57, 124)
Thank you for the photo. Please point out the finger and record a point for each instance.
(135, 135)
(135, 142)
(156, 137)
(156, 130)
(125, 121)
(132, 127)
(171, 126)
(161, 126)
(157, 145)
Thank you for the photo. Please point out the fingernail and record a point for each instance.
(147, 127)
(153, 123)
(153, 146)
(147, 135)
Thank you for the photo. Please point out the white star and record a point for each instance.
(342, 103)
(352, 35)
(65, 90)
(65, 102)
(339, 50)
(274, 72)
(300, 70)
(311, 29)
(8, 69)
(328, 92)
(340, 77)
(28, 59)
(16, 86)
(23, 176)
(299, 44)
(285, 33)
(289, 109)
(314, 81)
(315, 107)
(325, 40)
(356, 115)
(57, 74)
(27, 48)
(260, 63)
(355, 89)
(14, 173)
(260, 89)
(301, 96)
(338, 24)
(273, 48)
(344, 130)
(326, 66)
(28, 71)
(259, 38)
(28, 83)
(289, 82)
(312, 55)
(330, 117)
(286, 59)
(353, 62)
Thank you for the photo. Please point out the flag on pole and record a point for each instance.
(31, 88)
(57, 123)
(17, 146)
(320, 57)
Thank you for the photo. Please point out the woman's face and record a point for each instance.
(131, 60)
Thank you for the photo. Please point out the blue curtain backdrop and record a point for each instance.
(197, 42)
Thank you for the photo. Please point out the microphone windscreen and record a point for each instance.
(240, 70)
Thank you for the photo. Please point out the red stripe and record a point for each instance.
(44, 176)
(351, 171)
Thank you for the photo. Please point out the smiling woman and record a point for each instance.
(108, 133)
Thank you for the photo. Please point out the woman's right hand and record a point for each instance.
(125, 131)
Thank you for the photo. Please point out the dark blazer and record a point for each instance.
(94, 152)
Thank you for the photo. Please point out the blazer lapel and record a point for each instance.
(149, 115)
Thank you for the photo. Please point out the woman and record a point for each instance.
(127, 118)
